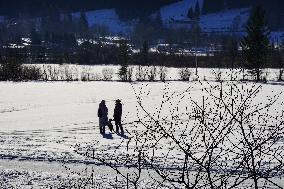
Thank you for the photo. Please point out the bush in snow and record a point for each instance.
(53, 73)
(217, 73)
(140, 73)
(280, 76)
(85, 74)
(123, 73)
(130, 74)
(31, 73)
(12, 70)
(184, 74)
(107, 74)
(163, 73)
(67, 73)
(96, 77)
(151, 73)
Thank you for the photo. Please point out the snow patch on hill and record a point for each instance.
(177, 11)
(176, 15)
(231, 19)
(108, 18)
(277, 37)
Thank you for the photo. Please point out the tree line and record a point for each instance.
(126, 9)
(273, 9)
(252, 52)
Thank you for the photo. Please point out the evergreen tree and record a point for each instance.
(84, 25)
(68, 23)
(197, 11)
(35, 48)
(210, 6)
(145, 53)
(11, 66)
(190, 13)
(35, 37)
(54, 22)
(123, 60)
(158, 20)
(69, 40)
(237, 4)
(256, 44)
(280, 60)
(231, 50)
(158, 26)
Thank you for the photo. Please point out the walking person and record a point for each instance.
(117, 116)
(103, 116)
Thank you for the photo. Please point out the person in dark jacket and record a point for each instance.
(117, 116)
(103, 116)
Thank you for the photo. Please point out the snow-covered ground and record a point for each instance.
(41, 123)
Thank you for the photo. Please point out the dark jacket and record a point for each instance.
(103, 115)
(117, 111)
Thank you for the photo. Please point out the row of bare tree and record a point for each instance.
(223, 136)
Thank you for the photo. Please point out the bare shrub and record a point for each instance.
(280, 76)
(10, 69)
(52, 73)
(96, 77)
(220, 138)
(163, 73)
(123, 73)
(67, 73)
(85, 74)
(140, 73)
(151, 73)
(217, 73)
(107, 74)
(31, 73)
(184, 74)
(130, 73)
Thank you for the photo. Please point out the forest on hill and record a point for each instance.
(129, 9)
(274, 9)
(126, 9)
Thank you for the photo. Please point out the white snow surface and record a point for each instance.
(44, 121)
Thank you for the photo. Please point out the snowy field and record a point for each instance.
(41, 123)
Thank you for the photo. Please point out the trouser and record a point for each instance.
(118, 125)
(102, 129)
(102, 124)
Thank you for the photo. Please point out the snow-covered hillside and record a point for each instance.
(107, 18)
(176, 15)
(224, 21)
(177, 11)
